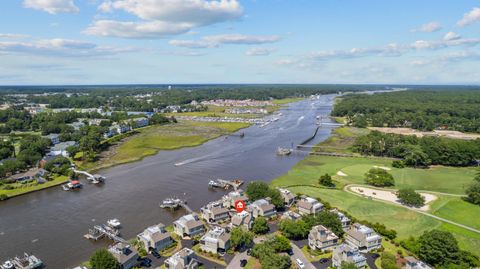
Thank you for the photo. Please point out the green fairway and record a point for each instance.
(460, 211)
(440, 179)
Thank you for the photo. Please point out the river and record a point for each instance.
(51, 223)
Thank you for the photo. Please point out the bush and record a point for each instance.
(326, 180)
(260, 226)
(3, 197)
(388, 261)
(398, 164)
(102, 259)
(473, 193)
(379, 178)
(411, 198)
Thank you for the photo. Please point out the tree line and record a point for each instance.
(423, 110)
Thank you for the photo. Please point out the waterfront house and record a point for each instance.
(61, 148)
(232, 197)
(262, 208)
(188, 225)
(321, 238)
(291, 215)
(137, 122)
(288, 196)
(155, 238)
(363, 237)
(54, 138)
(412, 263)
(34, 173)
(343, 219)
(243, 219)
(126, 255)
(345, 253)
(215, 241)
(76, 125)
(308, 205)
(112, 130)
(214, 212)
(121, 128)
(184, 259)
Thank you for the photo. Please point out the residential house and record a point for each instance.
(308, 205)
(243, 219)
(121, 128)
(126, 255)
(184, 259)
(291, 215)
(34, 173)
(54, 138)
(321, 238)
(77, 125)
(112, 130)
(155, 237)
(363, 237)
(288, 196)
(188, 225)
(214, 212)
(45, 160)
(61, 148)
(412, 263)
(138, 122)
(348, 254)
(232, 197)
(215, 241)
(343, 219)
(262, 208)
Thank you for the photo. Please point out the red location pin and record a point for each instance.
(239, 206)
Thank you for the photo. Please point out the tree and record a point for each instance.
(409, 197)
(294, 229)
(379, 177)
(29, 156)
(388, 261)
(240, 238)
(326, 180)
(398, 164)
(102, 259)
(473, 193)
(327, 219)
(258, 190)
(260, 226)
(275, 261)
(438, 247)
(280, 243)
(477, 176)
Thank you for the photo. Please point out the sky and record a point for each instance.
(58, 42)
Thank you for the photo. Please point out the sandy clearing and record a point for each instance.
(390, 196)
(342, 174)
(441, 133)
(383, 167)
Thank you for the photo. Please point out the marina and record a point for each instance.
(138, 187)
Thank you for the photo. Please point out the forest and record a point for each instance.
(426, 110)
(419, 152)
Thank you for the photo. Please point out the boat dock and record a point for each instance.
(95, 179)
(225, 184)
(100, 231)
(175, 203)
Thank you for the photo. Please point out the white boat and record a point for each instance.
(283, 151)
(114, 223)
(171, 203)
(7, 265)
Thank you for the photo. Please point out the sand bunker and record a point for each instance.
(342, 174)
(390, 196)
(383, 167)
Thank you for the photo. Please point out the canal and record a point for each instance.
(51, 223)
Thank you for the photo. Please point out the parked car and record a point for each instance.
(145, 262)
(300, 264)
(323, 260)
(290, 252)
(249, 251)
(155, 254)
(243, 263)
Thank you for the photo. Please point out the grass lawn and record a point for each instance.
(208, 256)
(30, 187)
(219, 111)
(253, 263)
(287, 100)
(152, 139)
(460, 211)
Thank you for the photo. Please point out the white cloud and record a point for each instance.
(217, 40)
(160, 18)
(52, 6)
(259, 52)
(14, 36)
(153, 29)
(59, 48)
(451, 36)
(470, 17)
(429, 27)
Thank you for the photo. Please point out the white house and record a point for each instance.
(155, 237)
(215, 241)
(321, 238)
(363, 237)
(126, 256)
(308, 205)
(184, 259)
(188, 225)
(348, 254)
(262, 208)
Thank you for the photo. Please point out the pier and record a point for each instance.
(100, 231)
(310, 138)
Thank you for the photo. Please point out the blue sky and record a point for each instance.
(239, 41)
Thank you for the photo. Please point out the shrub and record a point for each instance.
(379, 177)
(410, 197)
(398, 164)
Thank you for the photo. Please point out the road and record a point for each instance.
(235, 262)
(298, 254)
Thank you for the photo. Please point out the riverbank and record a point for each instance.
(448, 183)
(150, 140)
(21, 189)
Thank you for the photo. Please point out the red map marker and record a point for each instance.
(240, 206)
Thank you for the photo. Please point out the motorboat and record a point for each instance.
(114, 223)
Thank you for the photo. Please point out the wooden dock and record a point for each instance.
(99, 231)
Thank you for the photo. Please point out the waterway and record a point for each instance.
(51, 223)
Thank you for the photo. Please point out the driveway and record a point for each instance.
(298, 254)
(371, 257)
(235, 262)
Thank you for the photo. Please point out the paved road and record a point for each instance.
(347, 189)
(298, 254)
(235, 262)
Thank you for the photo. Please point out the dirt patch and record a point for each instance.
(383, 167)
(438, 133)
(342, 174)
(391, 196)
